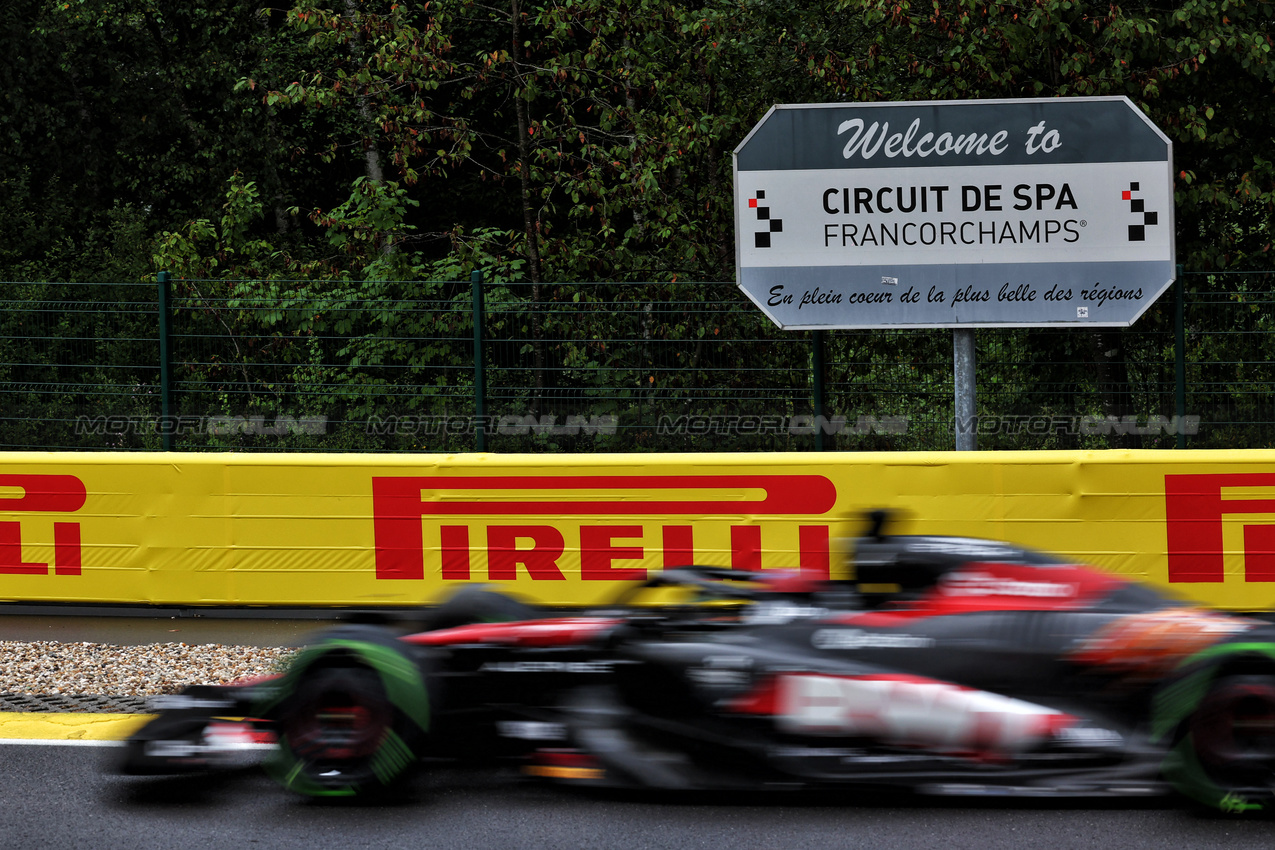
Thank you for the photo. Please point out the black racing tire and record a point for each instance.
(352, 716)
(478, 604)
(1223, 750)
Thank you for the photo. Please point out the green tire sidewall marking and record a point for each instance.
(405, 689)
(392, 758)
(285, 768)
(1174, 705)
(1189, 777)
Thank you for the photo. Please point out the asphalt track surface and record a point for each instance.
(57, 791)
(61, 797)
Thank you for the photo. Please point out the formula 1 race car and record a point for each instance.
(949, 665)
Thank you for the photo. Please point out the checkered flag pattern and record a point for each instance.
(1138, 232)
(761, 238)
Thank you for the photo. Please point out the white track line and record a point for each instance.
(37, 742)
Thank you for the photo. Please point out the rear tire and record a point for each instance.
(1224, 755)
(352, 715)
(477, 604)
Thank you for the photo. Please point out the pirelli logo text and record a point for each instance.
(26, 503)
(532, 523)
(1196, 507)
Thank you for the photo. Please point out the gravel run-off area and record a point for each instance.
(50, 667)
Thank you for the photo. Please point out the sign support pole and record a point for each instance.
(964, 388)
(817, 370)
(1179, 358)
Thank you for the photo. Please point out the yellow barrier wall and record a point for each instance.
(218, 529)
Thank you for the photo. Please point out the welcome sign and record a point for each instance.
(955, 214)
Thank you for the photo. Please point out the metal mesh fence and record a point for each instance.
(1230, 360)
(295, 366)
(642, 367)
(344, 367)
(72, 354)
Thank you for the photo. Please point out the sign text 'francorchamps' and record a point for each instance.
(955, 214)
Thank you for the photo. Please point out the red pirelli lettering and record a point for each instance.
(455, 546)
(1259, 553)
(746, 549)
(66, 548)
(62, 494)
(400, 503)
(813, 543)
(42, 494)
(1194, 508)
(679, 545)
(11, 562)
(598, 552)
(541, 558)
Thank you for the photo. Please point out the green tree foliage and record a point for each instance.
(132, 104)
(599, 132)
(305, 168)
(1202, 71)
(588, 140)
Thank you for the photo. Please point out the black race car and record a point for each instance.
(949, 665)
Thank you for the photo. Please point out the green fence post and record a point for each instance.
(480, 369)
(816, 367)
(166, 428)
(1179, 357)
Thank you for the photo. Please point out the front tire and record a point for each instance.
(352, 715)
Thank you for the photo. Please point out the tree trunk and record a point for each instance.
(529, 218)
(371, 153)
